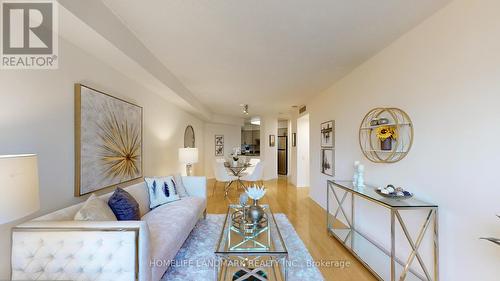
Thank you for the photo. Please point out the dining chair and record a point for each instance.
(254, 161)
(221, 175)
(256, 175)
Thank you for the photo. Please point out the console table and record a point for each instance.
(383, 263)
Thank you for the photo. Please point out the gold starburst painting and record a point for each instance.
(108, 138)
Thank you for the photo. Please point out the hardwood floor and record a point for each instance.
(308, 219)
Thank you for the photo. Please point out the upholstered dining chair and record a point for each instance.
(255, 175)
(222, 175)
(249, 170)
(254, 161)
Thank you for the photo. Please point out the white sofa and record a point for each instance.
(55, 247)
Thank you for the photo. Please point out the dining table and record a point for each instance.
(237, 171)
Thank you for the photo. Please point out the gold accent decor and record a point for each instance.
(108, 140)
(402, 127)
(120, 148)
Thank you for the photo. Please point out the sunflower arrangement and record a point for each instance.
(386, 132)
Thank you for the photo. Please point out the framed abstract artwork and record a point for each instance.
(327, 162)
(219, 145)
(328, 133)
(108, 140)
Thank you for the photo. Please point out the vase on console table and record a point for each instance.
(355, 176)
(360, 182)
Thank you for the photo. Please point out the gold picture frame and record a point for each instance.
(108, 140)
(272, 140)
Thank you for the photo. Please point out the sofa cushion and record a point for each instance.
(95, 209)
(161, 190)
(124, 206)
(181, 189)
(169, 226)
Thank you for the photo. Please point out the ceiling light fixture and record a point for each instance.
(255, 121)
(245, 108)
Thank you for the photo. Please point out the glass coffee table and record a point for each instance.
(247, 252)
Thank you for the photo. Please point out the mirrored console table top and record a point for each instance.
(368, 192)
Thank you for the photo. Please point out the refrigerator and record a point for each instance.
(282, 155)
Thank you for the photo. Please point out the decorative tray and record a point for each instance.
(395, 193)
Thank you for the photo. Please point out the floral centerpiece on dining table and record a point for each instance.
(235, 156)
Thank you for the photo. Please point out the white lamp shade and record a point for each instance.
(188, 155)
(18, 187)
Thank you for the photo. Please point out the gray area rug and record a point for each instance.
(193, 261)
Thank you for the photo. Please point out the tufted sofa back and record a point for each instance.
(138, 191)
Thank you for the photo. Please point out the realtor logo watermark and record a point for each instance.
(29, 37)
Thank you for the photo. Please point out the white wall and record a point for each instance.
(446, 75)
(303, 157)
(232, 138)
(290, 148)
(269, 126)
(36, 116)
(292, 176)
(282, 124)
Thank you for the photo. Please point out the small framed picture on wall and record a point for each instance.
(328, 134)
(327, 162)
(272, 140)
(219, 145)
(294, 139)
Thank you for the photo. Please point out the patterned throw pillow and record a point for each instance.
(162, 190)
(95, 209)
(124, 206)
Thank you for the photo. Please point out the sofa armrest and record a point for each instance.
(195, 186)
(100, 250)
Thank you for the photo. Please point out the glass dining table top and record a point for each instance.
(239, 165)
(237, 169)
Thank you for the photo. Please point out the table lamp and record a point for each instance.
(18, 187)
(188, 156)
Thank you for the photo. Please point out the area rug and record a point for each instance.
(195, 259)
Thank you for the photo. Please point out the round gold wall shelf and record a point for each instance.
(371, 145)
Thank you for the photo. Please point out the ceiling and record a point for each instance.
(269, 54)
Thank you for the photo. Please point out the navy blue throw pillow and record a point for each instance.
(124, 206)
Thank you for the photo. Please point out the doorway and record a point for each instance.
(303, 151)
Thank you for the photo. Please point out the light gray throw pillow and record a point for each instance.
(95, 209)
(181, 189)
